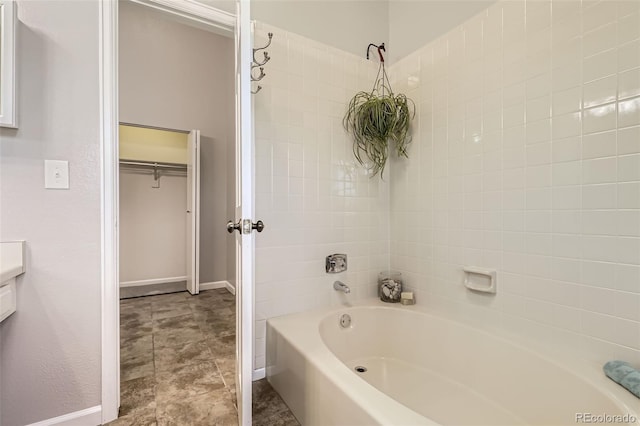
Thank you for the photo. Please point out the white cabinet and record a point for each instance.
(8, 302)
(12, 264)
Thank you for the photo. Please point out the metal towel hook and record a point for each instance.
(260, 64)
(258, 78)
(266, 54)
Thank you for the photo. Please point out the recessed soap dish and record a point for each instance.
(482, 280)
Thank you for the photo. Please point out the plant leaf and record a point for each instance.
(374, 119)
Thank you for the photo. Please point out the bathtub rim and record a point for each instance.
(316, 351)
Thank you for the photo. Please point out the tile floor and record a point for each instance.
(177, 362)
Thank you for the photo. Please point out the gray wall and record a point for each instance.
(412, 24)
(153, 226)
(50, 348)
(176, 76)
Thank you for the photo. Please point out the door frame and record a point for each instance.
(218, 21)
(193, 212)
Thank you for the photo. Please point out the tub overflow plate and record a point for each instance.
(345, 320)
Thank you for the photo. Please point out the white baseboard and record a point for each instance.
(259, 373)
(151, 281)
(88, 416)
(218, 284)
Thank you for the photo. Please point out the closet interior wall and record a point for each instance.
(153, 221)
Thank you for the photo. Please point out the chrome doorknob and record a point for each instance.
(258, 226)
(234, 227)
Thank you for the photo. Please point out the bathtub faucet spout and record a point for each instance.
(340, 286)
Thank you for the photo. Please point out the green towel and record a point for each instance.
(632, 382)
(624, 374)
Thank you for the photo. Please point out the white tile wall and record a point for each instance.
(526, 158)
(312, 196)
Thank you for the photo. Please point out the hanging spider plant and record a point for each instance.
(377, 118)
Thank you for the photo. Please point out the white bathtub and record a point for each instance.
(423, 369)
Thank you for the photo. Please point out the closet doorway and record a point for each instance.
(177, 189)
(159, 210)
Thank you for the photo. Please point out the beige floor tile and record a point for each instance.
(133, 339)
(178, 363)
(133, 329)
(227, 368)
(136, 347)
(190, 353)
(135, 371)
(177, 337)
(187, 381)
(285, 418)
(218, 329)
(223, 346)
(170, 309)
(140, 303)
(136, 358)
(174, 322)
(266, 402)
(130, 313)
(143, 417)
(137, 396)
(164, 299)
(212, 408)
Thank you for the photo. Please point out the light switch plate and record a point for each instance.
(56, 174)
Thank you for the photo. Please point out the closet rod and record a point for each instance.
(143, 126)
(142, 163)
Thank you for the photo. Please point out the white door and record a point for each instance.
(244, 214)
(193, 212)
